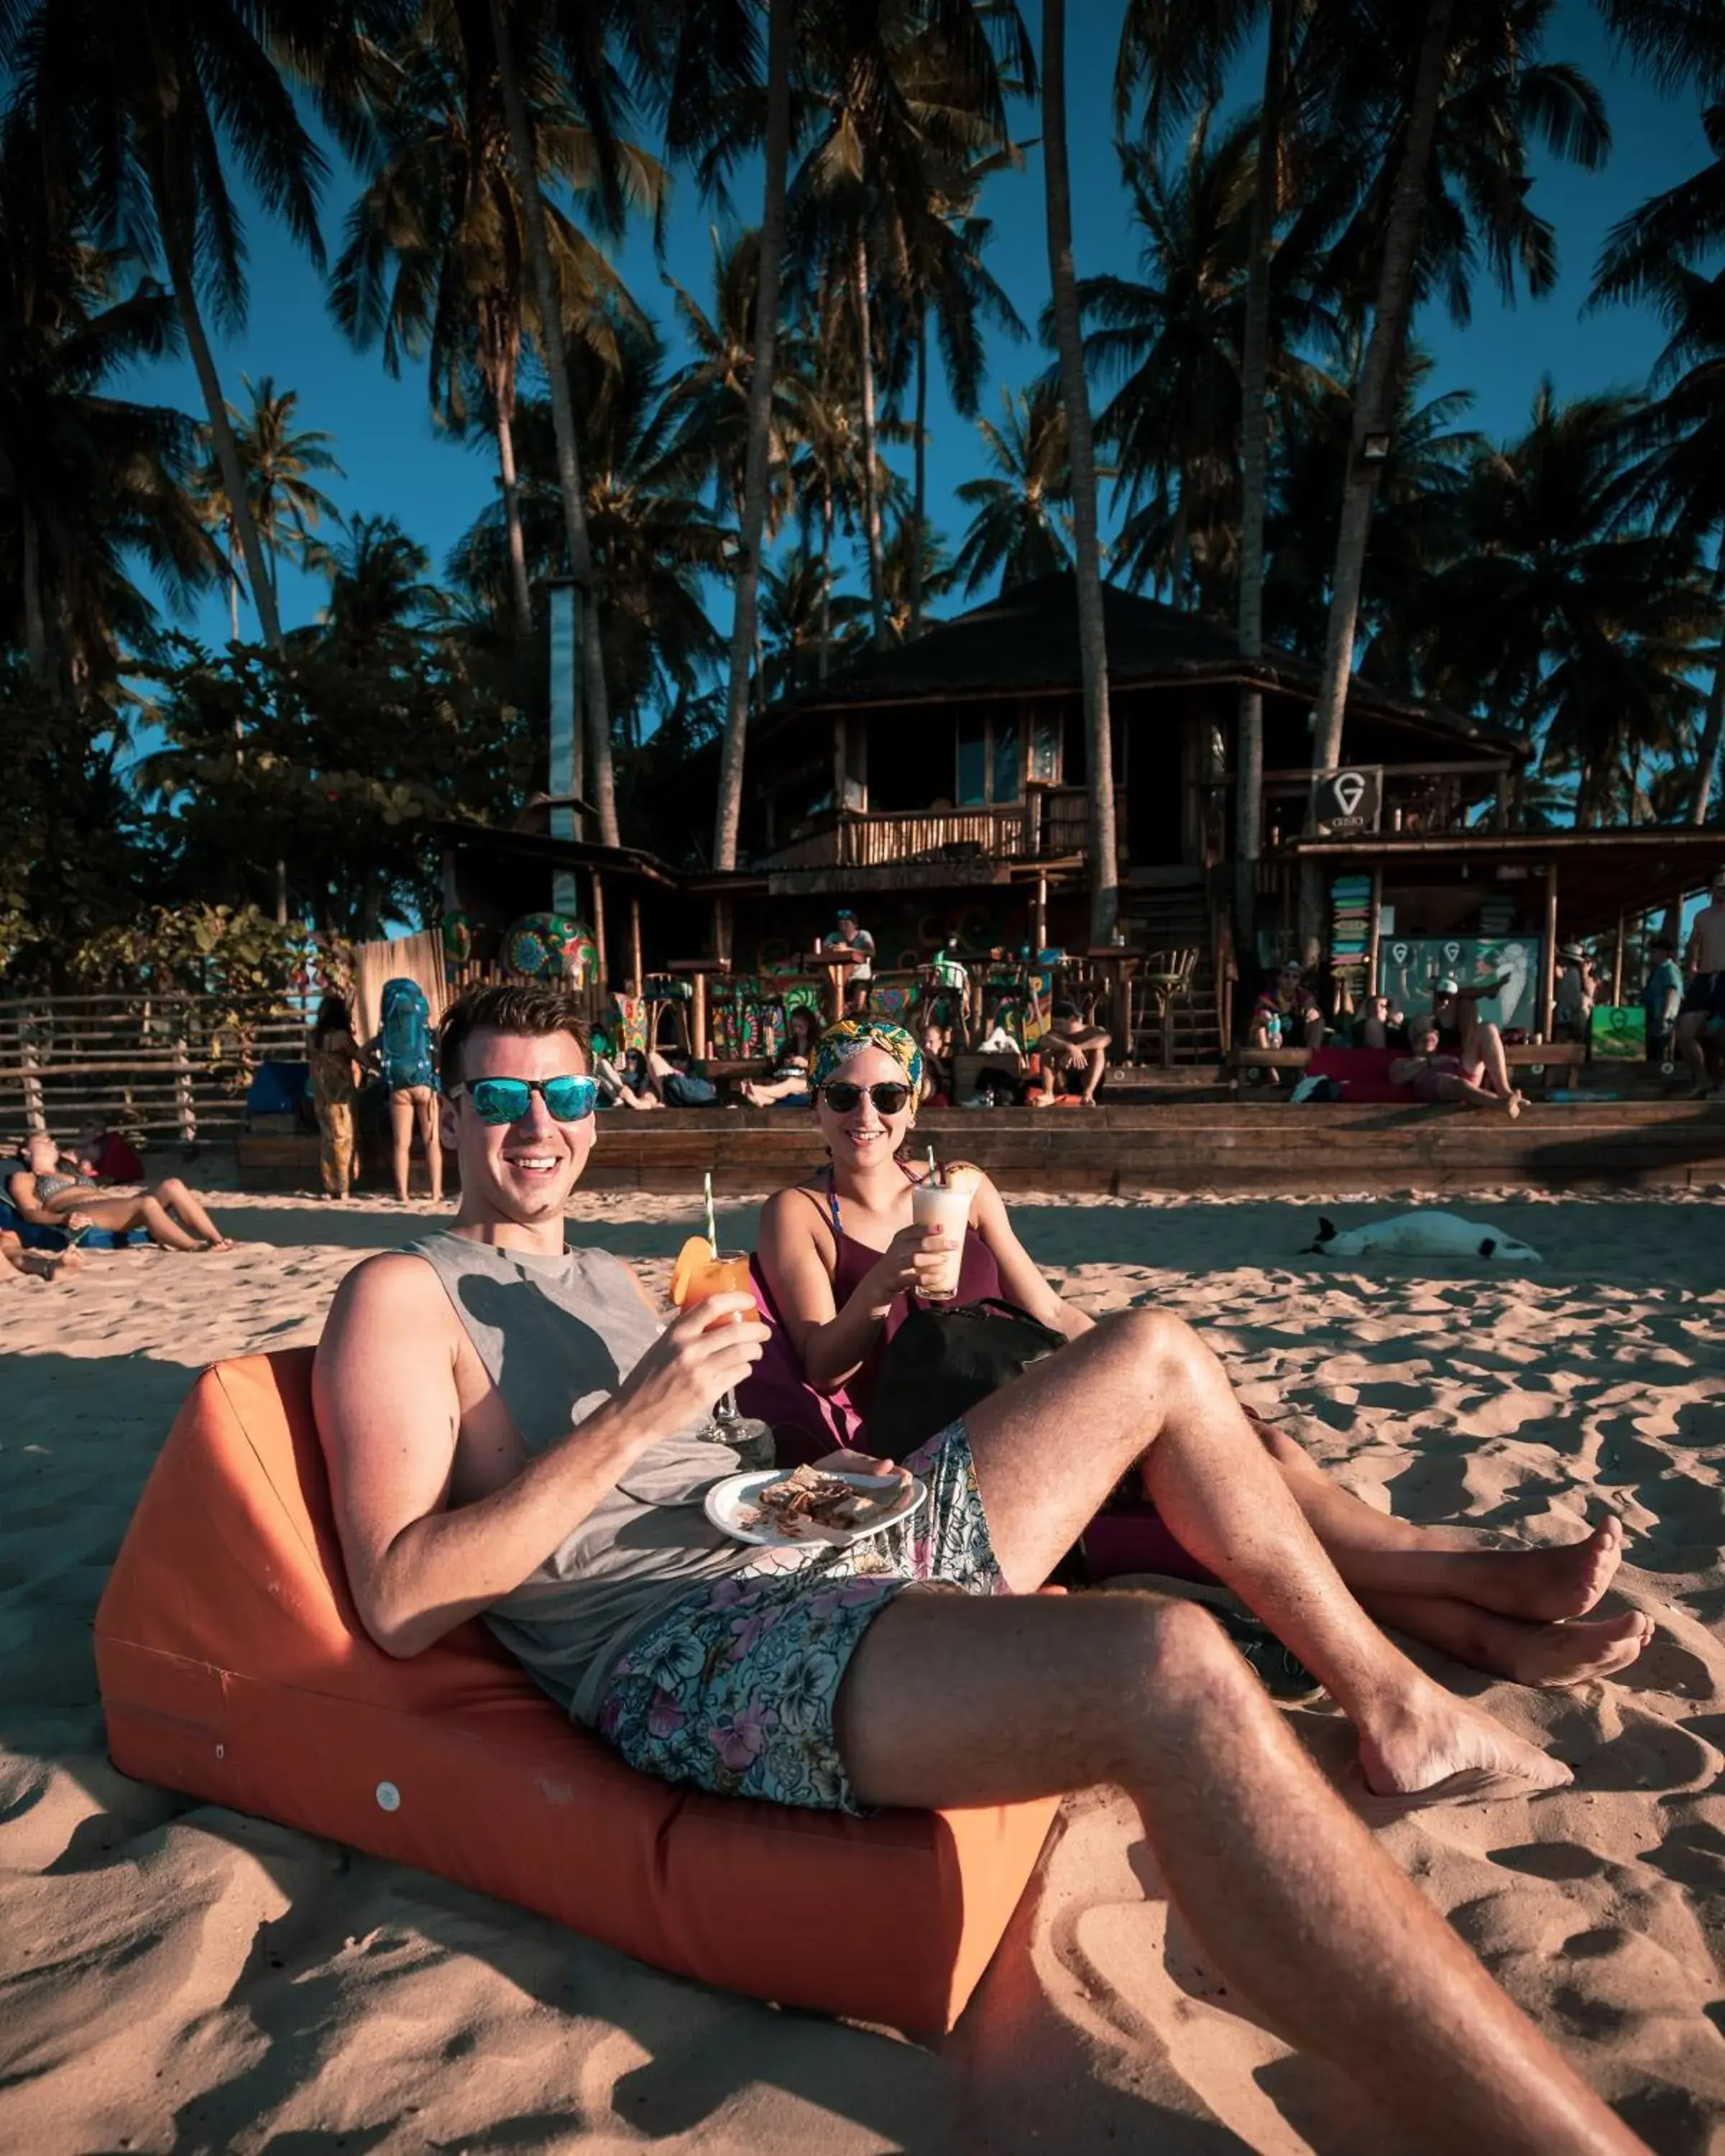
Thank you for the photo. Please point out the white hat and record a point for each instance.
(1447, 986)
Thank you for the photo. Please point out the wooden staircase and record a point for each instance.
(1172, 918)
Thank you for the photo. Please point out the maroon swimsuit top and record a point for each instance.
(978, 1278)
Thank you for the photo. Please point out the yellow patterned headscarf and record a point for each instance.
(851, 1035)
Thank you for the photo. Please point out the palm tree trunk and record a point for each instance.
(1092, 637)
(871, 490)
(233, 581)
(1706, 754)
(35, 620)
(921, 512)
(1372, 411)
(826, 576)
(519, 586)
(1255, 481)
(562, 413)
(745, 614)
(221, 428)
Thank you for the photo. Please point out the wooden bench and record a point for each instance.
(1568, 1056)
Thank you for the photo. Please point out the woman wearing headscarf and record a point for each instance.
(840, 1257)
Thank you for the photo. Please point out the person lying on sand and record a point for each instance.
(37, 1265)
(1482, 1080)
(509, 1432)
(47, 1198)
(842, 1256)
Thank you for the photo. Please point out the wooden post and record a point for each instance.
(636, 975)
(1041, 916)
(1617, 964)
(598, 931)
(1374, 931)
(1549, 955)
(35, 1119)
(185, 1106)
(698, 1018)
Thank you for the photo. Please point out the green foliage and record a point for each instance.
(232, 952)
(340, 762)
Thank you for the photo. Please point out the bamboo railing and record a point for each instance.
(174, 1066)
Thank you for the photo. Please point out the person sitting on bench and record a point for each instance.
(1072, 1060)
(509, 1433)
(1480, 1081)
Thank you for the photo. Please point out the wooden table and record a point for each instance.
(840, 960)
(698, 971)
(1118, 963)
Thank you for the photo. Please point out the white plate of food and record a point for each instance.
(806, 1507)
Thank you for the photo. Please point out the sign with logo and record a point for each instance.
(1347, 802)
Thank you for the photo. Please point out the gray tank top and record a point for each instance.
(557, 1336)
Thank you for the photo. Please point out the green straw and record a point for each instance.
(712, 1226)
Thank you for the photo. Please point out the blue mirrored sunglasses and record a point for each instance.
(507, 1100)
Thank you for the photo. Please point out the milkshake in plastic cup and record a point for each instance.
(945, 1208)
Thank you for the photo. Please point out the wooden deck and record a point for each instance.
(1262, 1145)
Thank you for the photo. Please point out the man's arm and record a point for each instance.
(389, 1414)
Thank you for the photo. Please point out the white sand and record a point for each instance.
(175, 1977)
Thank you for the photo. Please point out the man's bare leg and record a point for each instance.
(1691, 1028)
(1143, 1387)
(956, 1700)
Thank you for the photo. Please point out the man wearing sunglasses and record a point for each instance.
(511, 1435)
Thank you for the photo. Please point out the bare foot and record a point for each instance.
(1543, 1585)
(1551, 1654)
(1432, 1748)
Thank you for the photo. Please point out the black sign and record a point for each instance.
(1347, 802)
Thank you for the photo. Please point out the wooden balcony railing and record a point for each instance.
(884, 838)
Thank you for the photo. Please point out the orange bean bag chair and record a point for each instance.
(234, 1666)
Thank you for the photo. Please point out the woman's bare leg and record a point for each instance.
(188, 1208)
(425, 1110)
(956, 1700)
(1377, 1553)
(164, 1227)
(400, 1142)
(1526, 1654)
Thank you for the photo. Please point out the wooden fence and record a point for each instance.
(162, 1067)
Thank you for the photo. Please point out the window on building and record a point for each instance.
(989, 758)
(1045, 751)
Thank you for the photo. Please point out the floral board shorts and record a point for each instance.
(732, 1688)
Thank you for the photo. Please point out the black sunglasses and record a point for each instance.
(888, 1097)
(499, 1101)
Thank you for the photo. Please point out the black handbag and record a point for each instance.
(943, 1360)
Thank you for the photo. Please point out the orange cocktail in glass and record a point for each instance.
(700, 1273)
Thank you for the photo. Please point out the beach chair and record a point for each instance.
(234, 1666)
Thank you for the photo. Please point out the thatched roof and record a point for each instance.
(1028, 639)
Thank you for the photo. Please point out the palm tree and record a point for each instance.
(536, 44)
(1174, 335)
(1022, 526)
(90, 484)
(435, 259)
(134, 105)
(1456, 128)
(654, 542)
(1092, 635)
(911, 98)
(1656, 254)
(802, 619)
(381, 596)
(1570, 618)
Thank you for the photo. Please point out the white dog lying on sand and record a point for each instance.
(1423, 1236)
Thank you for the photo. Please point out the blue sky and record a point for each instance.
(396, 462)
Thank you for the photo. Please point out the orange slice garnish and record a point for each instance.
(697, 1253)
